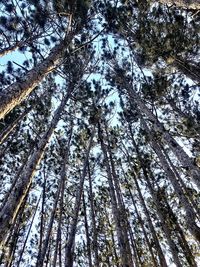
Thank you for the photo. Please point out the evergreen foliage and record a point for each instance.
(99, 133)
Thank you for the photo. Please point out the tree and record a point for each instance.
(99, 133)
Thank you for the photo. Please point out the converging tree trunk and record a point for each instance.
(19, 192)
(72, 233)
(123, 241)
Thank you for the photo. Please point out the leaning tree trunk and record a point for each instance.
(192, 170)
(161, 216)
(9, 211)
(180, 234)
(28, 234)
(190, 213)
(190, 69)
(142, 223)
(146, 212)
(8, 130)
(14, 94)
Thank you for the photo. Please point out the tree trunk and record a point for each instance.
(126, 257)
(191, 168)
(165, 228)
(65, 155)
(43, 251)
(161, 256)
(89, 255)
(122, 209)
(93, 221)
(6, 132)
(174, 224)
(14, 94)
(19, 192)
(190, 213)
(27, 235)
(191, 70)
(70, 242)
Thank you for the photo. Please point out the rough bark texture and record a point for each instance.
(19, 191)
(10, 49)
(18, 91)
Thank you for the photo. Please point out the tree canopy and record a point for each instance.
(99, 133)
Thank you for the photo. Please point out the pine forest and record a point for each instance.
(99, 133)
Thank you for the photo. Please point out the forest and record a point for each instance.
(99, 133)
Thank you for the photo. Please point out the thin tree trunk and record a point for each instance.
(89, 255)
(19, 192)
(42, 212)
(126, 258)
(154, 260)
(15, 230)
(191, 168)
(71, 238)
(115, 256)
(181, 237)
(190, 213)
(122, 209)
(93, 220)
(6, 132)
(65, 154)
(27, 235)
(43, 251)
(165, 228)
(181, 183)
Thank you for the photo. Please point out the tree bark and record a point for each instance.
(165, 228)
(176, 226)
(89, 255)
(6, 132)
(190, 213)
(43, 251)
(93, 220)
(65, 155)
(19, 191)
(164, 135)
(14, 94)
(124, 248)
(72, 233)
(27, 235)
